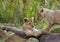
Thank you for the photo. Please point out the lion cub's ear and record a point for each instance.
(32, 18)
(41, 9)
(25, 19)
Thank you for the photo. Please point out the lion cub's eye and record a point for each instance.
(32, 26)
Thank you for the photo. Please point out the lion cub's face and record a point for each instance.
(29, 22)
(39, 13)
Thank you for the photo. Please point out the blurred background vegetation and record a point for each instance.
(12, 12)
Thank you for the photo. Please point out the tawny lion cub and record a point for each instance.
(28, 29)
(50, 16)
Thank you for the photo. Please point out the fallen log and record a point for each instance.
(52, 37)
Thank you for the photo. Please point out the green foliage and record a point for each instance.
(32, 40)
(13, 11)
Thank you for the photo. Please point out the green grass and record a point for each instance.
(1, 40)
(32, 40)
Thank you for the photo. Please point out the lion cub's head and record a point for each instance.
(40, 15)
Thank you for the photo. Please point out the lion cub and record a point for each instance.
(50, 16)
(28, 29)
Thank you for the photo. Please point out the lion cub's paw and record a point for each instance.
(44, 31)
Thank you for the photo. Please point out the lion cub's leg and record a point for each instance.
(48, 27)
(36, 32)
